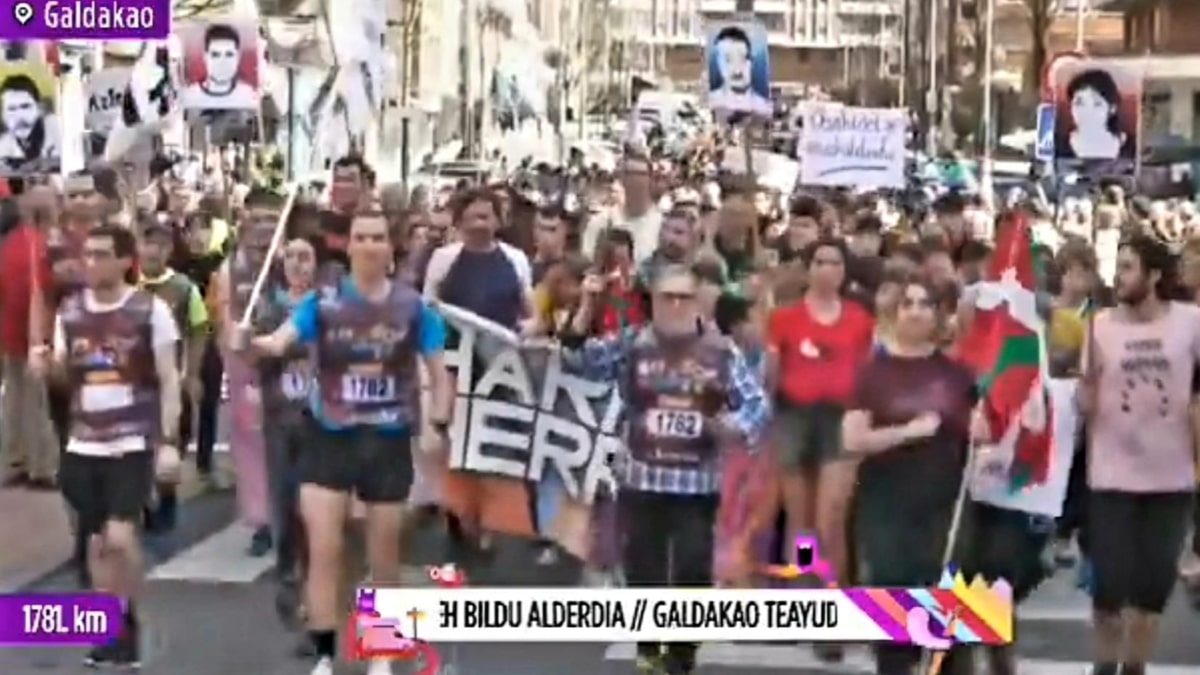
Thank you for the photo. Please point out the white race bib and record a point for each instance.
(368, 389)
(294, 384)
(664, 423)
(95, 398)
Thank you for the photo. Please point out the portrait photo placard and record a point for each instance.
(220, 64)
(739, 70)
(1097, 110)
(30, 129)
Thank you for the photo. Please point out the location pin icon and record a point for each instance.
(23, 13)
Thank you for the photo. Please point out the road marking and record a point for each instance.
(220, 558)
(217, 447)
(858, 661)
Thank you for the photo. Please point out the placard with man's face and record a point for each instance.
(30, 132)
(220, 64)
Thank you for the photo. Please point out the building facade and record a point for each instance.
(827, 43)
(1160, 39)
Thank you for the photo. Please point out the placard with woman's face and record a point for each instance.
(1097, 105)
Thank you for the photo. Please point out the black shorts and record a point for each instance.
(1136, 539)
(375, 466)
(807, 435)
(102, 489)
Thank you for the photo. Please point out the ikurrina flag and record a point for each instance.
(1002, 344)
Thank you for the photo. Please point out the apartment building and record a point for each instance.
(1160, 39)
(813, 42)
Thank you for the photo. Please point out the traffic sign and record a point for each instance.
(1044, 148)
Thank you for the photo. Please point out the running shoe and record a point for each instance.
(260, 543)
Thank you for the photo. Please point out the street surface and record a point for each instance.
(212, 614)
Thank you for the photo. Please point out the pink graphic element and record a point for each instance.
(809, 560)
(447, 576)
(921, 635)
(374, 637)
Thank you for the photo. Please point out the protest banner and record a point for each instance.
(525, 421)
(848, 146)
(105, 94)
(990, 483)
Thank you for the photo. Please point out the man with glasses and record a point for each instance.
(639, 214)
(690, 395)
(115, 349)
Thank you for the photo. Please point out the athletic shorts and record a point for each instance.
(377, 467)
(807, 435)
(103, 489)
(1136, 539)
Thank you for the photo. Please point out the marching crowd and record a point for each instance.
(795, 357)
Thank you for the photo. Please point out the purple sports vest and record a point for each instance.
(367, 358)
(110, 365)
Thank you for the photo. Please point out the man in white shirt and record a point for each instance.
(640, 215)
(115, 348)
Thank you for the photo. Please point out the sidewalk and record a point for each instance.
(36, 531)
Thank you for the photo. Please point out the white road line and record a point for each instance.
(222, 447)
(858, 661)
(221, 558)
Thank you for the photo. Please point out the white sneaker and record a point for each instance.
(323, 667)
(379, 667)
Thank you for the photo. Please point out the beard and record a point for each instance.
(1135, 294)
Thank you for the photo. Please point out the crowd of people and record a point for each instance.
(809, 341)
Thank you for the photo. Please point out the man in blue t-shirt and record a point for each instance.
(371, 335)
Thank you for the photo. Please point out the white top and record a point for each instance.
(442, 258)
(242, 97)
(645, 230)
(163, 333)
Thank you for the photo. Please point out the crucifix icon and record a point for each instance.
(416, 615)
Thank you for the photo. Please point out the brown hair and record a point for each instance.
(464, 199)
(1076, 252)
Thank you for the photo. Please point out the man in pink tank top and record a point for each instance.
(1137, 391)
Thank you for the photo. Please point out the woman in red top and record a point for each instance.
(816, 346)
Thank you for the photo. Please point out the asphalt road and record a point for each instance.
(212, 614)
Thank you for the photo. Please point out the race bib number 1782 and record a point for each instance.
(675, 423)
(368, 389)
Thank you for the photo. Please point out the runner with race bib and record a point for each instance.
(689, 396)
(368, 333)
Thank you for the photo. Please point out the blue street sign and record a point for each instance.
(1044, 149)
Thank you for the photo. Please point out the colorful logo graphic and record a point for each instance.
(934, 619)
(376, 637)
